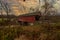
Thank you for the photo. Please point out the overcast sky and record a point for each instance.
(24, 7)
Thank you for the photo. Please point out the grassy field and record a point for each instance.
(48, 29)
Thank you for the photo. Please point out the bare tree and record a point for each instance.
(5, 7)
(1, 10)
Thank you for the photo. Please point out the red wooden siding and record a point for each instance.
(27, 18)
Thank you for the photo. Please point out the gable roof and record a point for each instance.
(31, 14)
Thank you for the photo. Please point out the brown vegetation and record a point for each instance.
(48, 29)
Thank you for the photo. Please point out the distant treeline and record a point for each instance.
(9, 16)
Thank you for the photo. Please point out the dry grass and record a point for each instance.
(39, 31)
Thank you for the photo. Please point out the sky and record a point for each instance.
(19, 7)
(57, 6)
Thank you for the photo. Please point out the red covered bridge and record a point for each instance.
(29, 18)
